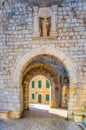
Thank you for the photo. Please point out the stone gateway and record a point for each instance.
(42, 38)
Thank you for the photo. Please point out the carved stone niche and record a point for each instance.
(45, 21)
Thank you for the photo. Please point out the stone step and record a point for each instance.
(4, 113)
(79, 116)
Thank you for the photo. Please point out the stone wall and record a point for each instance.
(16, 24)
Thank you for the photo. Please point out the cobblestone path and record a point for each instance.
(36, 119)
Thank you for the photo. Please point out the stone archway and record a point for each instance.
(59, 55)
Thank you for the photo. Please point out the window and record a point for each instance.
(39, 84)
(47, 84)
(33, 96)
(47, 97)
(33, 84)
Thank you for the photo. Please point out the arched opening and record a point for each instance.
(56, 73)
(24, 65)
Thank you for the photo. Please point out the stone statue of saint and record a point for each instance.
(45, 27)
(59, 2)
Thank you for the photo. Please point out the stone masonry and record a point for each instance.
(18, 47)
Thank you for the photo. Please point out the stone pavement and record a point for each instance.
(37, 119)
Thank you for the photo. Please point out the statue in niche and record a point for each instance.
(60, 2)
(44, 27)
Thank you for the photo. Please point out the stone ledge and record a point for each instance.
(79, 116)
(80, 113)
(45, 38)
(4, 113)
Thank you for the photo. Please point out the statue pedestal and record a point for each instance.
(44, 38)
(53, 34)
(36, 34)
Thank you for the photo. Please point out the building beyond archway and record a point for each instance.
(39, 90)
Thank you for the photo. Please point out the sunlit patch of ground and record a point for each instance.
(57, 111)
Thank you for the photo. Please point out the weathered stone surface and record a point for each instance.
(17, 47)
